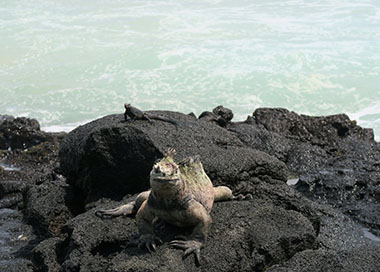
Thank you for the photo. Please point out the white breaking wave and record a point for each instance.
(369, 117)
(65, 62)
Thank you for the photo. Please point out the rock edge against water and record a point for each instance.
(321, 223)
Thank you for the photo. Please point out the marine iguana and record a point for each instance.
(182, 195)
(136, 114)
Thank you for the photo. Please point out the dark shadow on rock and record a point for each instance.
(229, 247)
(110, 158)
(335, 161)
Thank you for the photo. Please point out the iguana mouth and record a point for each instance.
(164, 173)
(165, 179)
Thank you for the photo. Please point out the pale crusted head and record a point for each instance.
(166, 171)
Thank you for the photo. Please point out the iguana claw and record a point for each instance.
(148, 242)
(189, 246)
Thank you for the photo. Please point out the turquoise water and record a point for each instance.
(68, 62)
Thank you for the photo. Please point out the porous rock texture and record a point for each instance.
(28, 158)
(21, 133)
(110, 157)
(327, 221)
(336, 161)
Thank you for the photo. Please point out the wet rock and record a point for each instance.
(16, 241)
(342, 246)
(11, 201)
(335, 160)
(46, 254)
(33, 165)
(17, 265)
(346, 177)
(36, 163)
(21, 132)
(30, 157)
(11, 193)
(12, 186)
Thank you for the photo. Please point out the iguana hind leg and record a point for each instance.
(127, 209)
(222, 193)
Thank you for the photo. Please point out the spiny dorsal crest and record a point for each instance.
(171, 152)
(169, 155)
(190, 161)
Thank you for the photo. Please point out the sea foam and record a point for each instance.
(64, 62)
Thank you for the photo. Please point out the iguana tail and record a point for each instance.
(162, 118)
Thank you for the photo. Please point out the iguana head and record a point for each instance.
(165, 172)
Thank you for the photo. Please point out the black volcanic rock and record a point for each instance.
(225, 113)
(47, 207)
(277, 234)
(107, 161)
(336, 161)
(362, 259)
(229, 247)
(21, 132)
(324, 130)
(111, 157)
(29, 157)
(11, 193)
(220, 115)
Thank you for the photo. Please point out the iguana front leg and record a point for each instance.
(127, 209)
(198, 216)
(144, 221)
(147, 117)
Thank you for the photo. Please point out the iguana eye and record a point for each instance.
(156, 169)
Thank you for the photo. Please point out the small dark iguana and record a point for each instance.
(136, 114)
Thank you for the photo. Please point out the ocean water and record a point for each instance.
(67, 62)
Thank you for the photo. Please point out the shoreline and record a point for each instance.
(71, 126)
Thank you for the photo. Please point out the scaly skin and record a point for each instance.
(181, 194)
